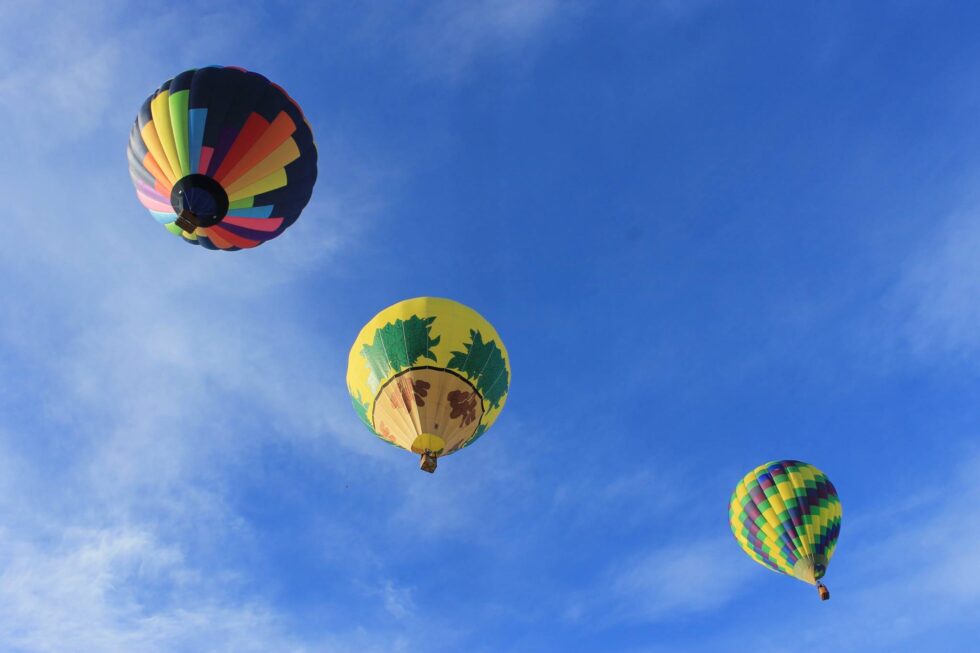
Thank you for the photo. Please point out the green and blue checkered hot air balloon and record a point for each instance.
(786, 516)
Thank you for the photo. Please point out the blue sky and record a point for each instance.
(711, 234)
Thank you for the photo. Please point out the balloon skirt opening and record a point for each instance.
(199, 201)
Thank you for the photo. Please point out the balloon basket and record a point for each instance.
(428, 462)
(187, 222)
(823, 591)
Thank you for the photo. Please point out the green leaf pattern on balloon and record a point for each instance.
(398, 345)
(484, 363)
(361, 407)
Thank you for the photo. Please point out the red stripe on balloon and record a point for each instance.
(277, 134)
(234, 239)
(254, 127)
(255, 224)
(206, 154)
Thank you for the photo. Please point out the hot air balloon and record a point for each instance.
(222, 157)
(786, 515)
(428, 375)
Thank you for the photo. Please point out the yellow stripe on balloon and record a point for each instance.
(264, 185)
(279, 158)
(160, 109)
(799, 477)
(152, 141)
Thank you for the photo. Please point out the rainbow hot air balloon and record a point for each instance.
(428, 375)
(786, 515)
(222, 157)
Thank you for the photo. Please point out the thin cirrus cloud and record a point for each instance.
(912, 578)
(674, 580)
(679, 579)
(939, 289)
(450, 37)
(121, 443)
(110, 326)
(906, 572)
(121, 590)
(74, 62)
(135, 513)
(90, 589)
(446, 40)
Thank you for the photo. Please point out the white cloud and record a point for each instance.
(66, 66)
(451, 35)
(57, 80)
(924, 575)
(446, 39)
(940, 288)
(397, 600)
(604, 495)
(676, 579)
(905, 575)
(122, 590)
(905, 579)
(157, 371)
(119, 590)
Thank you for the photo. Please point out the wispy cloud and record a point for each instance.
(445, 40)
(151, 364)
(59, 87)
(916, 577)
(159, 376)
(66, 65)
(678, 579)
(940, 288)
(452, 36)
(906, 572)
(121, 590)
(609, 496)
(397, 600)
(665, 582)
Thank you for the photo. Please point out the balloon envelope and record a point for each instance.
(222, 157)
(428, 374)
(786, 516)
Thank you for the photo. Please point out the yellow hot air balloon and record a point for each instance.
(428, 375)
(786, 515)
